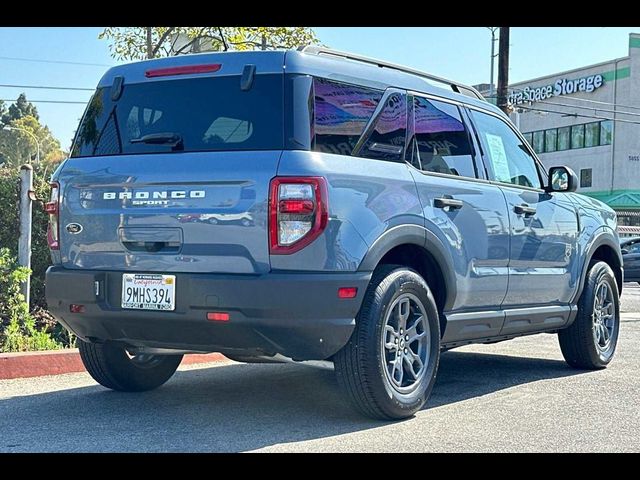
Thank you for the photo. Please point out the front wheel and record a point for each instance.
(389, 365)
(113, 367)
(590, 342)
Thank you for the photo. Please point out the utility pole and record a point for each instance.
(24, 241)
(503, 70)
(492, 88)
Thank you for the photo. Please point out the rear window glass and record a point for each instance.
(208, 114)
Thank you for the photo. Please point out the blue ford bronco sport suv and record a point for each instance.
(316, 205)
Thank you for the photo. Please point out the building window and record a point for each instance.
(550, 139)
(528, 137)
(606, 132)
(592, 134)
(564, 138)
(577, 136)
(585, 177)
(538, 141)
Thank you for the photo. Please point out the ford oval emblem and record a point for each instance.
(74, 228)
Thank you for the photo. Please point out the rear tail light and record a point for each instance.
(52, 207)
(298, 212)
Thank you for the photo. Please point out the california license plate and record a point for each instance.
(148, 291)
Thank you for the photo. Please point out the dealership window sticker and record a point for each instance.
(498, 157)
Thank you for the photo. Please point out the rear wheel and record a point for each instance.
(590, 342)
(113, 367)
(389, 365)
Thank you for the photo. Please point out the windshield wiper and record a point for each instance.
(164, 138)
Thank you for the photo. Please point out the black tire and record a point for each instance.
(579, 343)
(110, 365)
(361, 365)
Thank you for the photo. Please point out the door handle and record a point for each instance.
(524, 208)
(445, 202)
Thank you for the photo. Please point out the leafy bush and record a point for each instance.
(10, 227)
(18, 332)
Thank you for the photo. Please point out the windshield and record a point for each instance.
(206, 114)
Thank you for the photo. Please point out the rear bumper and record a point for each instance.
(298, 315)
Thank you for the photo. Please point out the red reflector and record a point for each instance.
(186, 70)
(347, 292)
(51, 208)
(218, 316)
(302, 207)
(75, 308)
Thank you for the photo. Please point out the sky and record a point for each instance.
(460, 53)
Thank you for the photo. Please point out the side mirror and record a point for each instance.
(562, 179)
(624, 251)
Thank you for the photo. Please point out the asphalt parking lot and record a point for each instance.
(512, 396)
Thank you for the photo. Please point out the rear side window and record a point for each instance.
(208, 114)
(341, 113)
(386, 140)
(441, 143)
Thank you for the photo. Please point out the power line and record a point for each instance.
(595, 110)
(45, 87)
(64, 62)
(614, 105)
(566, 114)
(45, 101)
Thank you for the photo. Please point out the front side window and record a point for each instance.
(508, 157)
(441, 143)
(633, 247)
(341, 113)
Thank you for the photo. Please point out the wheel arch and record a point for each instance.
(604, 248)
(417, 248)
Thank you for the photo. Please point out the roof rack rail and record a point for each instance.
(455, 86)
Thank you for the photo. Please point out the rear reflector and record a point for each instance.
(186, 70)
(347, 292)
(75, 308)
(299, 207)
(218, 316)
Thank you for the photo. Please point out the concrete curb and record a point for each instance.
(56, 362)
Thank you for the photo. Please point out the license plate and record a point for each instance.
(148, 291)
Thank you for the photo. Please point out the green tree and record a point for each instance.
(137, 43)
(17, 143)
(3, 113)
(20, 108)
